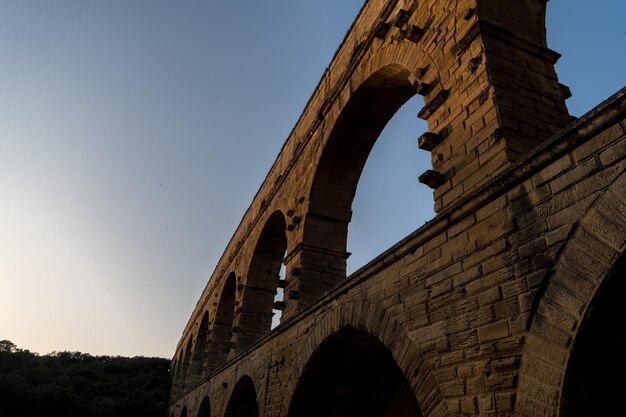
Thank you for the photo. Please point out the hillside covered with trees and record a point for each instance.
(80, 385)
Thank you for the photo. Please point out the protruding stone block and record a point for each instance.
(381, 30)
(433, 105)
(414, 33)
(401, 18)
(428, 141)
(279, 305)
(432, 178)
(565, 90)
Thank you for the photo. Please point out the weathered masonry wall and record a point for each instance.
(468, 300)
(489, 309)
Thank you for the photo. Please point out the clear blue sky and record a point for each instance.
(134, 134)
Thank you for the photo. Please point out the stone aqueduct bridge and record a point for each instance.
(509, 302)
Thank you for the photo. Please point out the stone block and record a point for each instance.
(574, 175)
(615, 153)
(493, 331)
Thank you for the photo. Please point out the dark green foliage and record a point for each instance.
(80, 385)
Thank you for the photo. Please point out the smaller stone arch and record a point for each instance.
(205, 408)
(184, 371)
(585, 265)
(353, 373)
(173, 369)
(173, 376)
(221, 333)
(254, 318)
(199, 356)
(243, 401)
(177, 374)
(371, 319)
(184, 413)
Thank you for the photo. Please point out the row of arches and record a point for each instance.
(247, 307)
(350, 374)
(243, 313)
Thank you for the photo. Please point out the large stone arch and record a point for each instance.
(588, 258)
(254, 317)
(346, 151)
(460, 107)
(378, 87)
(376, 322)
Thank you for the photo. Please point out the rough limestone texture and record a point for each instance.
(490, 309)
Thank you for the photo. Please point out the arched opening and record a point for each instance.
(205, 408)
(242, 402)
(594, 381)
(173, 377)
(219, 346)
(198, 359)
(184, 412)
(342, 161)
(173, 370)
(178, 373)
(389, 203)
(255, 316)
(184, 382)
(352, 374)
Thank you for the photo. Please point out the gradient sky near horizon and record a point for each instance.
(134, 134)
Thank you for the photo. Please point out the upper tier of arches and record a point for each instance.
(299, 217)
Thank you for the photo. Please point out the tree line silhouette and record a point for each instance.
(81, 385)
